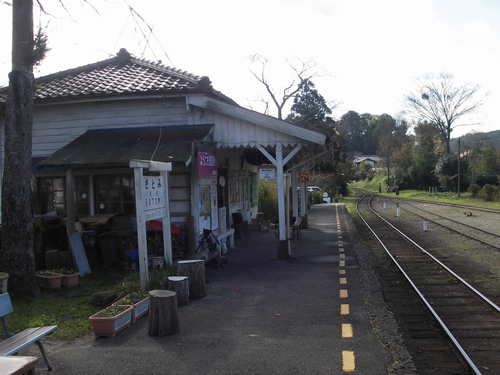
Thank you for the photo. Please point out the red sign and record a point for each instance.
(207, 164)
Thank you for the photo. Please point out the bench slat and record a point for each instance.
(23, 339)
(223, 233)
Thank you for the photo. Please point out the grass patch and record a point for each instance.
(70, 308)
(449, 197)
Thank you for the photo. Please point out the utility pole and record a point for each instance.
(388, 175)
(458, 179)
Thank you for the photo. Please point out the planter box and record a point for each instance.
(140, 308)
(49, 282)
(110, 326)
(70, 280)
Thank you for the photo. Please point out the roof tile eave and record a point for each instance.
(112, 77)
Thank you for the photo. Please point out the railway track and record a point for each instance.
(462, 207)
(457, 220)
(449, 327)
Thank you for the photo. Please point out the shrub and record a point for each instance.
(158, 278)
(474, 190)
(488, 192)
(268, 200)
(317, 197)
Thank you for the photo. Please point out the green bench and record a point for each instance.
(14, 343)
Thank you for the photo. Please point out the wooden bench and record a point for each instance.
(221, 234)
(14, 343)
(214, 250)
(206, 255)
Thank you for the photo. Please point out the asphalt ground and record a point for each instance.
(261, 315)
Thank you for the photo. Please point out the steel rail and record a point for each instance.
(421, 296)
(453, 221)
(449, 270)
(465, 206)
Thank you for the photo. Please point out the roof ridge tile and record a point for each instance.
(121, 74)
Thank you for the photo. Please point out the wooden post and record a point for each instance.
(142, 240)
(279, 162)
(179, 285)
(195, 271)
(163, 317)
(282, 244)
(70, 202)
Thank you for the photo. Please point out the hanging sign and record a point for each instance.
(303, 177)
(207, 164)
(266, 174)
(207, 168)
(153, 195)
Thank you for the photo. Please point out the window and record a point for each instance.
(115, 194)
(254, 190)
(82, 198)
(51, 195)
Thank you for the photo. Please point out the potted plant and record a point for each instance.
(111, 320)
(48, 279)
(70, 278)
(140, 302)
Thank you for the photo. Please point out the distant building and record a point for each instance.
(370, 159)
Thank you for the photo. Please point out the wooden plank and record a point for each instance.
(54, 129)
(82, 263)
(141, 227)
(17, 365)
(257, 118)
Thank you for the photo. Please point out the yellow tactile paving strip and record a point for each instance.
(348, 356)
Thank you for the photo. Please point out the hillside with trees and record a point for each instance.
(417, 158)
(418, 155)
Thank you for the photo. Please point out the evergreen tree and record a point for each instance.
(310, 110)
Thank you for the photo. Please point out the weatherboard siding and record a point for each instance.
(233, 132)
(53, 129)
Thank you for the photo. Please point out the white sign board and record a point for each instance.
(266, 174)
(151, 202)
(153, 195)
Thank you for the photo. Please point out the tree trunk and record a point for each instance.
(195, 272)
(163, 317)
(179, 285)
(17, 256)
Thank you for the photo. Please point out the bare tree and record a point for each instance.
(303, 72)
(439, 100)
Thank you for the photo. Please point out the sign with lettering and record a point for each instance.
(153, 195)
(266, 174)
(207, 164)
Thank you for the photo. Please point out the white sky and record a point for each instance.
(369, 50)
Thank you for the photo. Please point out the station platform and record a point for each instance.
(314, 313)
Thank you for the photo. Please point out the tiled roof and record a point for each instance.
(120, 75)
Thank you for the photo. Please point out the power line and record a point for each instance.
(138, 17)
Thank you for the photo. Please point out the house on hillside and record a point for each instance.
(90, 122)
(370, 159)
